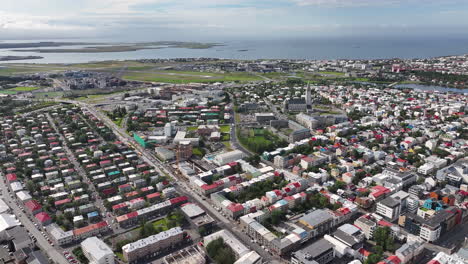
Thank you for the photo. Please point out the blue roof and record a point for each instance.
(93, 214)
(282, 202)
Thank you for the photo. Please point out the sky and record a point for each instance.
(201, 20)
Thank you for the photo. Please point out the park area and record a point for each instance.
(259, 140)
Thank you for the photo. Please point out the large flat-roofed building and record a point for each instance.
(148, 247)
(320, 252)
(96, 251)
(4, 208)
(307, 121)
(389, 208)
(264, 118)
(164, 153)
(317, 222)
(225, 158)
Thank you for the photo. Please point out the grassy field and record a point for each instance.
(198, 152)
(225, 129)
(48, 94)
(192, 128)
(332, 73)
(118, 121)
(228, 145)
(25, 89)
(361, 79)
(190, 77)
(7, 92)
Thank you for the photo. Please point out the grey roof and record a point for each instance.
(192, 210)
(438, 218)
(390, 202)
(366, 221)
(316, 217)
(314, 250)
(297, 101)
(348, 239)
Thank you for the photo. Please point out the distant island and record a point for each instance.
(41, 44)
(106, 47)
(11, 58)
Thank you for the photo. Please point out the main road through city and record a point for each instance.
(53, 252)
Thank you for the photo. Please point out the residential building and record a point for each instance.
(96, 251)
(152, 245)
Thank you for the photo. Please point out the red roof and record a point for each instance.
(118, 206)
(33, 205)
(124, 186)
(207, 187)
(344, 210)
(364, 252)
(278, 192)
(394, 259)
(89, 228)
(104, 162)
(131, 215)
(43, 217)
(179, 200)
(235, 207)
(232, 164)
(384, 223)
(153, 195)
(11, 177)
(64, 201)
(109, 191)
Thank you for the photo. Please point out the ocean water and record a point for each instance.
(314, 49)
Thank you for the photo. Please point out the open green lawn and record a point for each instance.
(225, 129)
(332, 73)
(361, 79)
(7, 92)
(192, 128)
(227, 144)
(118, 121)
(48, 94)
(25, 89)
(119, 255)
(237, 117)
(198, 152)
(190, 77)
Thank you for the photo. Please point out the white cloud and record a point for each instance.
(362, 3)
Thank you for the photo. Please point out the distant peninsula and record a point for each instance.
(12, 58)
(107, 47)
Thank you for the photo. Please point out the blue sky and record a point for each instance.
(224, 19)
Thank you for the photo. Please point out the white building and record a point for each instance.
(426, 169)
(168, 130)
(389, 208)
(225, 158)
(97, 252)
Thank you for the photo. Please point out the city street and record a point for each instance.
(54, 252)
